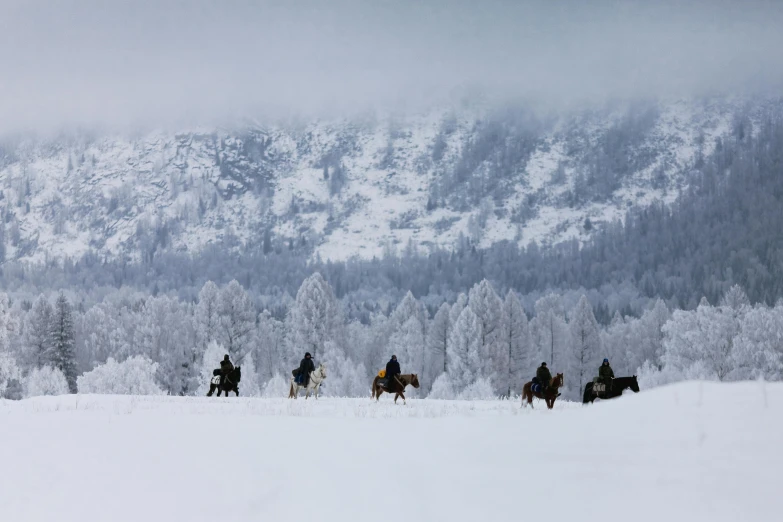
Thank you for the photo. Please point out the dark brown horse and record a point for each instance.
(397, 386)
(549, 396)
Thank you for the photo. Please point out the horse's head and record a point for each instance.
(558, 381)
(236, 374)
(321, 371)
(415, 380)
(634, 384)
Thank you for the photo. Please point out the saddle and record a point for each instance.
(385, 384)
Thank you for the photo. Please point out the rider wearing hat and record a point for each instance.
(225, 368)
(392, 370)
(606, 374)
(305, 367)
(544, 376)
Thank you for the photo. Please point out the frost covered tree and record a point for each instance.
(276, 387)
(437, 341)
(481, 389)
(133, 376)
(250, 385)
(518, 343)
(550, 331)
(314, 319)
(700, 343)
(442, 388)
(37, 333)
(464, 350)
(407, 308)
(207, 316)
(271, 346)
(735, 298)
(407, 342)
(9, 372)
(345, 378)
(8, 323)
(488, 308)
(585, 347)
(104, 335)
(164, 334)
(62, 340)
(237, 319)
(647, 337)
(758, 347)
(45, 381)
(209, 362)
(617, 342)
(457, 307)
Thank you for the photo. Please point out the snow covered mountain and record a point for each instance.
(352, 187)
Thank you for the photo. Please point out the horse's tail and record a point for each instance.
(374, 387)
(525, 392)
(587, 393)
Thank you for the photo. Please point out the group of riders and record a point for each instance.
(544, 376)
(306, 366)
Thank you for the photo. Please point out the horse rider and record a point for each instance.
(305, 367)
(606, 374)
(225, 368)
(544, 376)
(392, 371)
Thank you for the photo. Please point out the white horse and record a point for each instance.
(316, 378)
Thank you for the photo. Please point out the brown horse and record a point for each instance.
(397, 387)
(549, 396)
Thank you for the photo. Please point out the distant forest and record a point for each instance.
(725, 229)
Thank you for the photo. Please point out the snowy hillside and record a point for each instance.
(351, 187)
(692, 451)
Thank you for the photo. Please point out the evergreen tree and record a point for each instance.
(37, 333)
(62, 341)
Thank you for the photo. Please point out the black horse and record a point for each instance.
(230, 383)
(619, 385)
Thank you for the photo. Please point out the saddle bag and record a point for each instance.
(599, 387)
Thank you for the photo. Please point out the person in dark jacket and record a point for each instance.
(225, 367)
(305, 367)
(392, 370)
(544, 376)
(606, 374)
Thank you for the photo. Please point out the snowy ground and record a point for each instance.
(687, 452)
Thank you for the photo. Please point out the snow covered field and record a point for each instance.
(690, 452)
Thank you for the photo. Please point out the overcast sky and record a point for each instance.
(65, 63)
